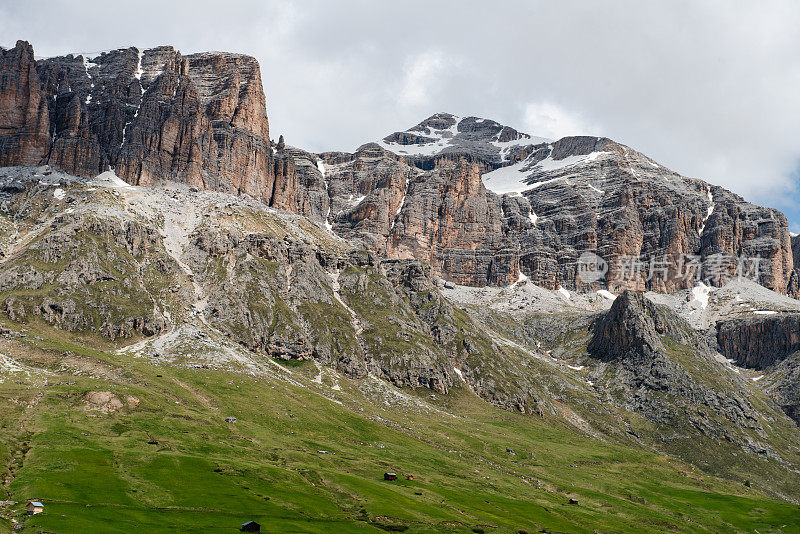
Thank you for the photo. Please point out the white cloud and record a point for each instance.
(545, 119)
(421, 75)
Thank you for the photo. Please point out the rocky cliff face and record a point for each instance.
(771, 345)
(591, 194)
(24, 119)
(759, 342)
(547, 203)
(366, 189)
(482, 202)
(445, 216)
(793, 289)
(154, 116)
(450, 219)
(795, 240)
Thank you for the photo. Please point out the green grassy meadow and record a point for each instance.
(308, 452)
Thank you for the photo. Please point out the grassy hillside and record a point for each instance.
(113, 443)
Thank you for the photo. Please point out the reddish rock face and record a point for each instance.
(445, 216)
(232, 98)
(452, 221)
(366, 192)
(151, 115)
(169, 137)
(24, 119)
(154, 116)
(575, 195)
(201, 120)
(76, 149)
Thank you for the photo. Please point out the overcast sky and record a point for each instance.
(710, 89)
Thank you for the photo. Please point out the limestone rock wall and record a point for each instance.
(24, 115)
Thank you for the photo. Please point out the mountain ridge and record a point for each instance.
(203, 121)
(284, 326)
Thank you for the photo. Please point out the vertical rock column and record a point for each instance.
(24, 120)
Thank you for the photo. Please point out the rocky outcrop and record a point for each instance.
(24, 118)
(648, 223)
(154, 116)
(759, 342)
(202, 121)
(795, 240)
(652, 363)
(450, 219)
(313, 200)
(367, 189)
(782, 383)
(634, 328)
(793, 289)
(91, 99)
(91, 275)
(771, 345)
(445, 216)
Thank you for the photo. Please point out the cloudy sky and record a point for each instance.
(710, 89)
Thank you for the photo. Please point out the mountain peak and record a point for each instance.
(449, 136)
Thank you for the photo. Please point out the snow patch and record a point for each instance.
(400, 208)
(549, 164)
(520, 279)
(460, 374)
(506, 146)
(110, 179)
(700, 294)
(564, 293)
(606, 294)
(59, 193)
(138, 73)
(757, 378)
(545, 182)
(9, 365)
(506, 179)
(514, 178)
(86, 66)
(441, 140)
(708, 214)
(593, 188)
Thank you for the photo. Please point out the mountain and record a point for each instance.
(444, 136)
(152, 115)
(545, 205)
(173, 275)
(181, 294)
(484, 203)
